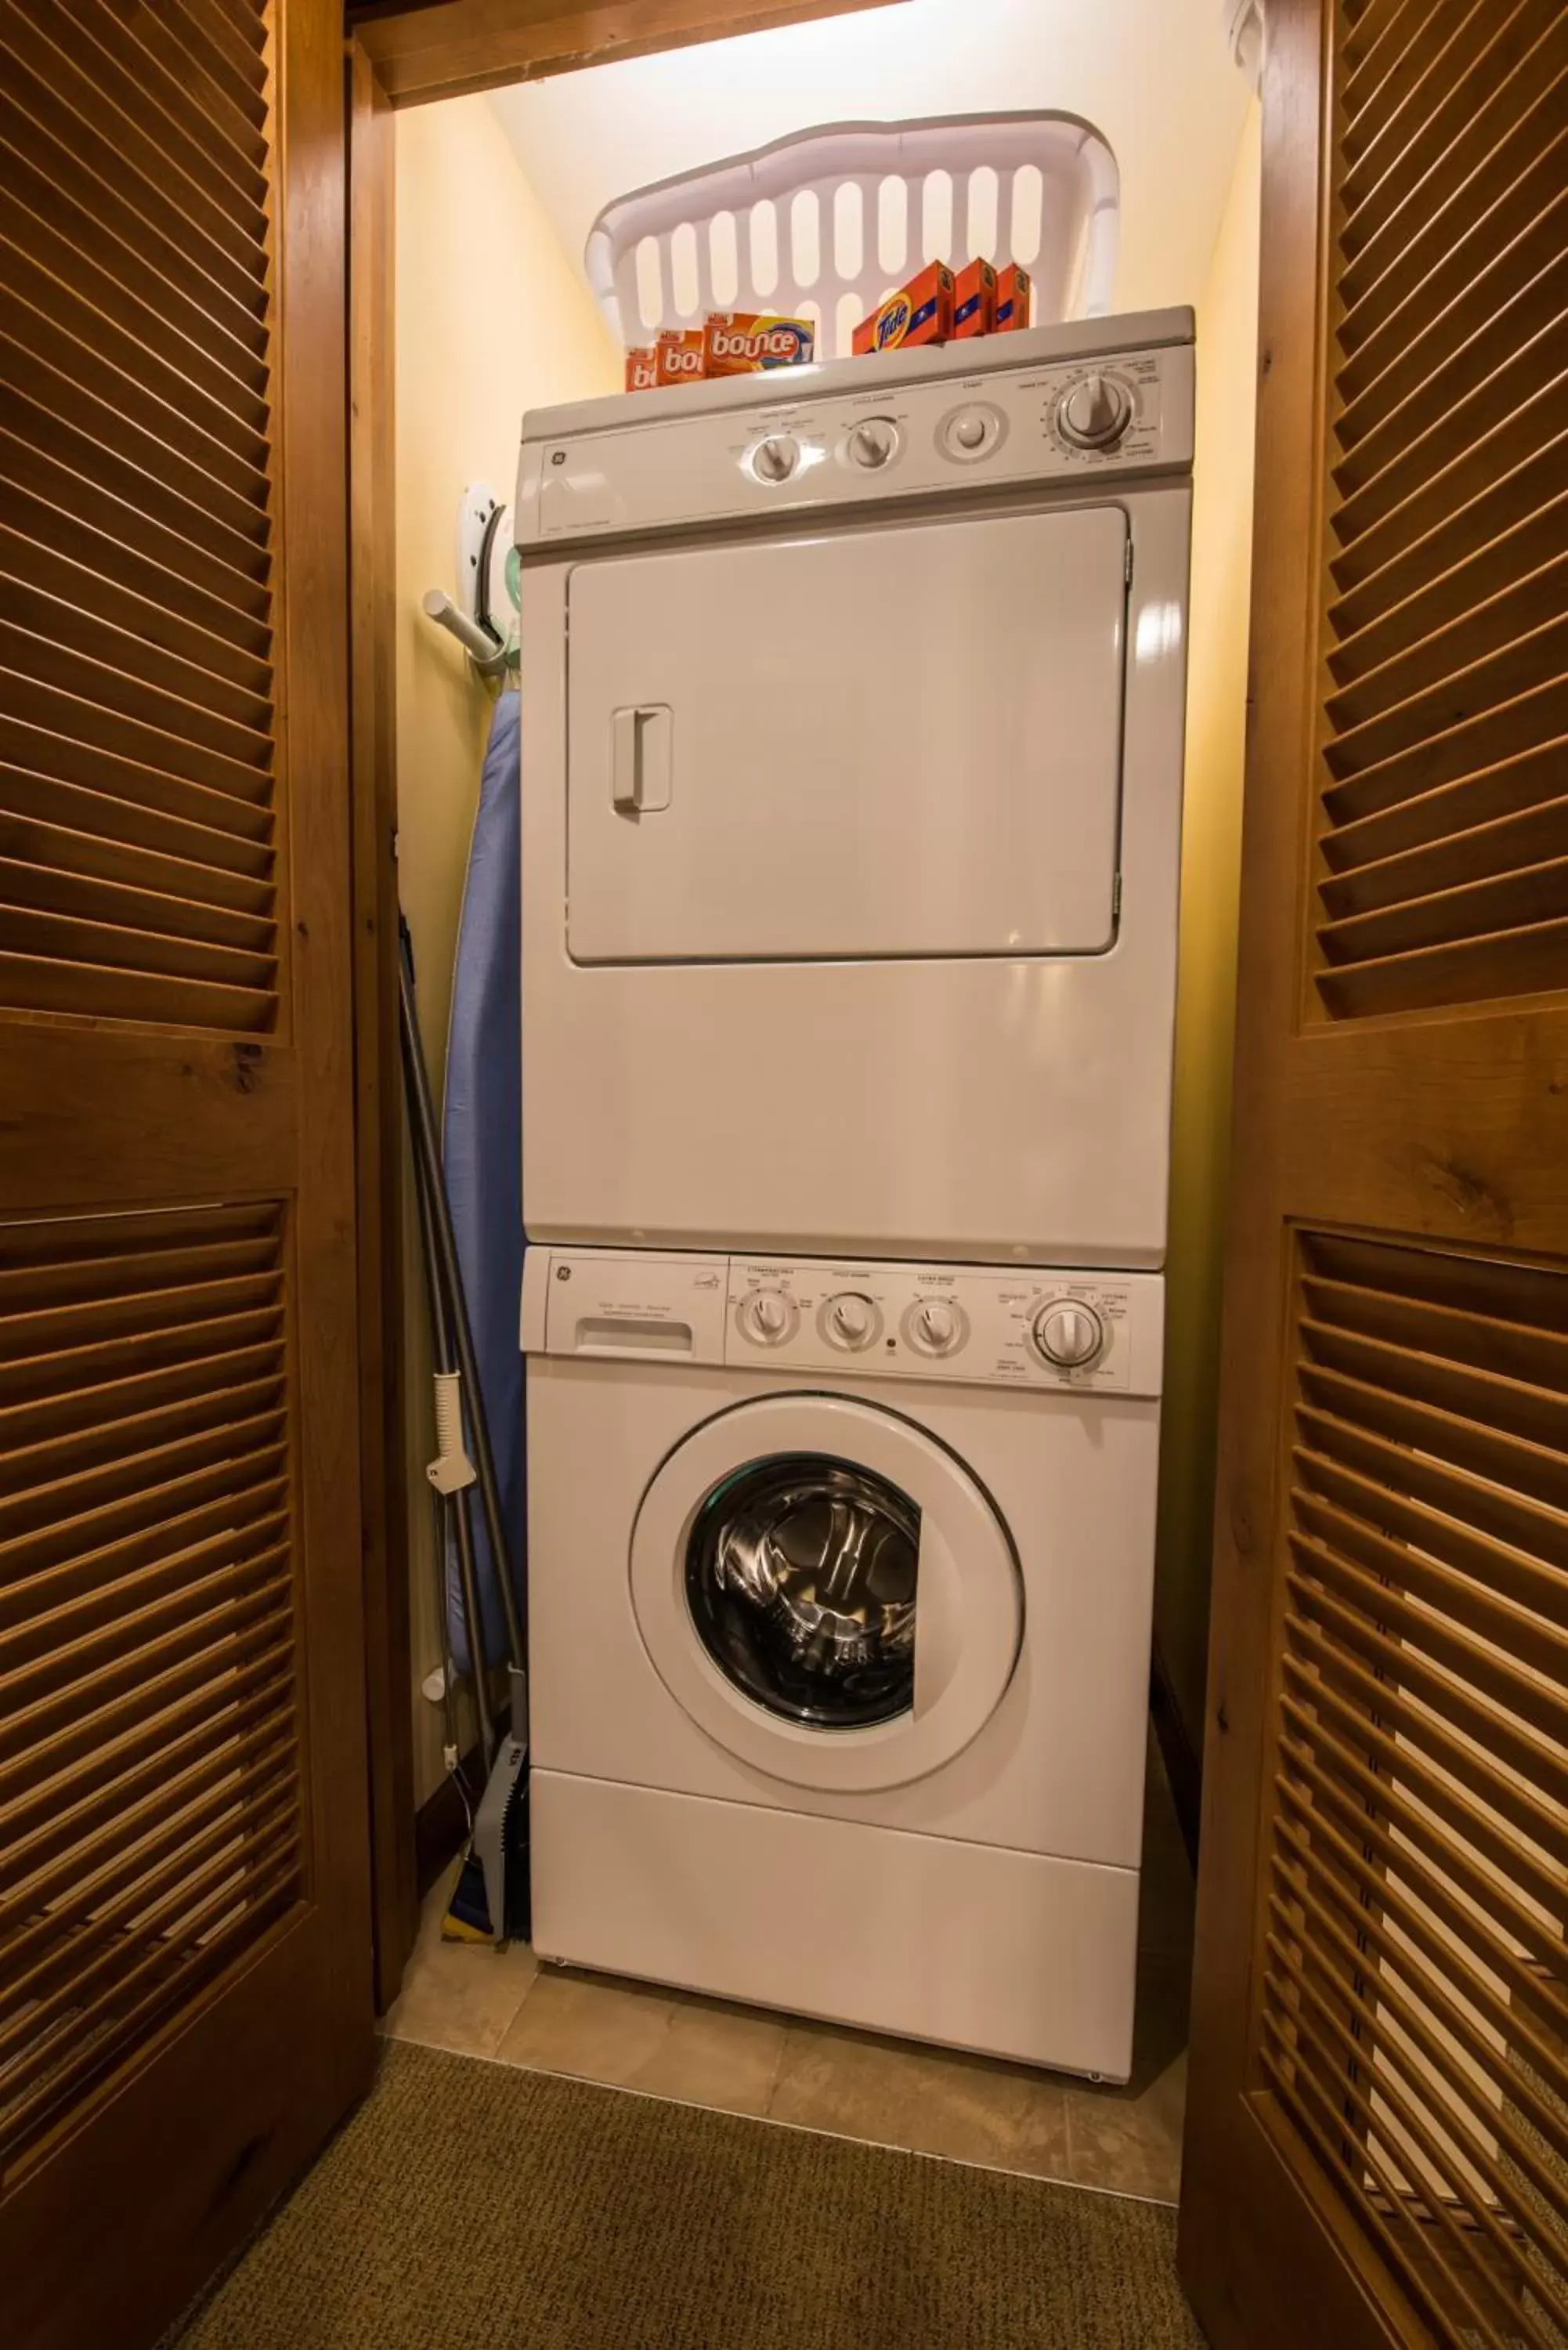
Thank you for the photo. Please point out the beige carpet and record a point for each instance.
(472, 2207)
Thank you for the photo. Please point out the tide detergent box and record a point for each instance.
(641, 369)
(678, 355)
(921, 312)
(1012, 300)
(974, 300)
(741, 342)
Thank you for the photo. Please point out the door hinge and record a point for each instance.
(1127, 564)
(1116, 899)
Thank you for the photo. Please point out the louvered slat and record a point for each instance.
(1446, 624)
(103, 902)
(1307, 1891)
(42, 124)
(147, 1774)
(1413, 121)
(223, 54)
(114, 795)
(141, 501)
(1412, 2018)
(218, 132)
(85, 1910)
(1462, 186)
(112, 708)
(22, 1283)
(73, 1802)
(139, 876)
(179, 619)
(175, 185)
(149, 1811)
(222, 384)
(1507, 845)
(1318, 2033)
(47, 1416)
(1525, 118)
(162, 395)
(254, 1491)
(209, 890)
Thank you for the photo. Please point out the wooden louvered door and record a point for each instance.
(184, 1947)
(1377, 2140)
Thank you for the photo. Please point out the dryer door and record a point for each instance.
(896, 743)
(826, 1591)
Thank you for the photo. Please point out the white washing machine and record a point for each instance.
(852, 741)
(840, 1586)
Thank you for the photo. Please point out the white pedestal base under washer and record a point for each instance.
(840, 1580)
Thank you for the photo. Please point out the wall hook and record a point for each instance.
(479, 616)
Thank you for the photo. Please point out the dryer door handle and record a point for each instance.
(639, 758)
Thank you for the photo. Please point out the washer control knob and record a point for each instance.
(851, 1320)
(1095, 413)
(873, 442)
(936, 1328)
(775, 459)
(767, 1317)
(1069, 1336)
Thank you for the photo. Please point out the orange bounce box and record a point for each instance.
(741, 342)
(921, 312)
(641, 369)
(678, 355)
(974, 300)
(1012, 300)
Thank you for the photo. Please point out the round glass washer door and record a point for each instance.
(826, 1591)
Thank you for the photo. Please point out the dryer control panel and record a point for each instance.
(1019, 1326)
(1063, 406)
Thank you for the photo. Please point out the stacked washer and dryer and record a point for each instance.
(852, 744)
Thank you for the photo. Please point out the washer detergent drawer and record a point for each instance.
(901, 743)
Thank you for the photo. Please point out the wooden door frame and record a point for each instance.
(373, 768)
(424, 49)
(405, 53)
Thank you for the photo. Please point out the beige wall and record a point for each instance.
(1211, 854)
(491, 319)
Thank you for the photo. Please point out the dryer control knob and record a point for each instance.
(775, 459)
(767, 1317)
(1069, 1336)
(851, 1320)
(873, 442)
(971, 433)
(1095, 413)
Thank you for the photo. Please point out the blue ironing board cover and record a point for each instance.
(481, 1149)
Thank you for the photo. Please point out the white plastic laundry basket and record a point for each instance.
(824, 225)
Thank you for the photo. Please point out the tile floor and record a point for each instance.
(503, 2005)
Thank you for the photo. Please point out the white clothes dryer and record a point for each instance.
(840, 1580)
(852, 741)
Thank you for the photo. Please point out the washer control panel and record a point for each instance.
(989, 1326)
(1021, 1329)
(852, 432)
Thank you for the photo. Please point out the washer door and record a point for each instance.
(826, 1591)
